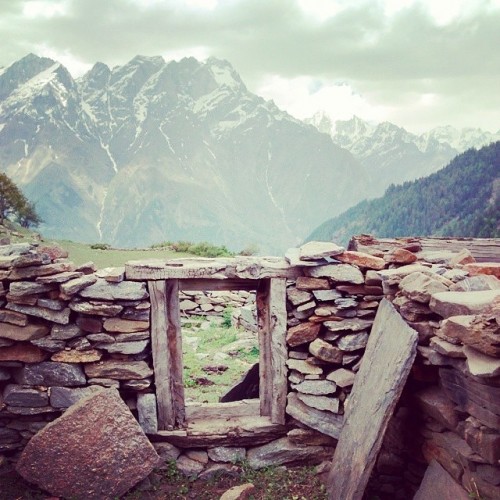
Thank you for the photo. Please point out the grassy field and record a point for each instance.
(215, 356)
(81, 252)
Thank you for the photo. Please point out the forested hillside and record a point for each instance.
(462, 199)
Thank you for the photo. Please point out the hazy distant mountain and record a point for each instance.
(153, 151)
(393, 155)
(462, 199)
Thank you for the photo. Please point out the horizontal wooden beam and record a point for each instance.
(243, 431)
(253, 268)
(203, 284)
(242, 408)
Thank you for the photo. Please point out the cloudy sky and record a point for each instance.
(417, 63)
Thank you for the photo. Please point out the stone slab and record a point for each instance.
(323, 421)
(449, 304)
(389, 356)
(95, 450)
(437, 484)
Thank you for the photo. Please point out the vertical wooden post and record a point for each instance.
(279, 353)
(264, 333)
(166, 344)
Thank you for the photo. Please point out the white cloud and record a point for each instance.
(200, 53)
(44, 8)
(303, 96)
(74, 65)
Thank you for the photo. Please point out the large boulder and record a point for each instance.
(95, 450)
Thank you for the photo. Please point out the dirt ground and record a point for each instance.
(298, 483)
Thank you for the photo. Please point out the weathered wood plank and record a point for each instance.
(385, 367)
(174, 336)
(203, 411)
(264, 333)
(483, 249)
(159, 349)
(219, 285)
(279, 352)
(167, 353)
(242, 431)
(215, 269)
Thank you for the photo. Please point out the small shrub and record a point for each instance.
(249, 250)
(227, 316)
(100, 246)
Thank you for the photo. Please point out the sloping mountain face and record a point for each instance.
(393, 155)
(462, 199)
(154, 151)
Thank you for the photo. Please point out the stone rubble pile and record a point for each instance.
(451, 412)
(66, 331)
(211, 303)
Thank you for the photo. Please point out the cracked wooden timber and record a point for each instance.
(237, 268)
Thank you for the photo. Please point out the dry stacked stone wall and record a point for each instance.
(64, 330)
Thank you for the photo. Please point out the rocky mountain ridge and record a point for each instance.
(153, 151)
(391, 154)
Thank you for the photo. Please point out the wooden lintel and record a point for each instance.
(252, 268)
(203, 411)
(218, 285)
(243, 431)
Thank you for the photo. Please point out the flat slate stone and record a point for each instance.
(361, 259)
(64, 397)
(22, 333)
(61, 317)
(76, 356)
(74, 286)
(342, 377)
(316, 387)
(325, 351)
(480, 364)
(146, 409)
(437, 484)
(322, 421)
(316, 250)
(97, 308)
(22, 288)
(304, 367)
(307, 283)
(51, 373)
(388, 358)
(420, 287)
(125, 290)
(302, 333)
(119, 370)
(19, 395)
(488, 268)
(25, 353)
(449, 304)
(283, 451)
(119, 325)
(320, 402)
(95, 450)
(343, 273)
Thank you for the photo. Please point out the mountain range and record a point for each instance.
(392, 155)
(153, 151)
(461, 200)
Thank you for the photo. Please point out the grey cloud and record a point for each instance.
(261, 37)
